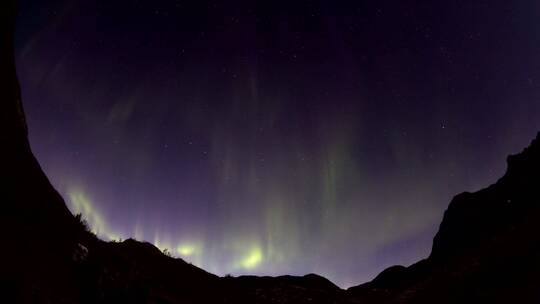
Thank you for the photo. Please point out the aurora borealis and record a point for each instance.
(274, 137)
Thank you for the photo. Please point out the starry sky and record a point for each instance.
(277, 137)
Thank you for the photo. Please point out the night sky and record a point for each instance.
(277, 137)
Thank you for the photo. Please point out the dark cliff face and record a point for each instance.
(38, 230)
(26, 188)
(487, 248)
(473, 218)
(11, 118)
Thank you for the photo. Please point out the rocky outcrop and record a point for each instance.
(473, 218)
(487, 248)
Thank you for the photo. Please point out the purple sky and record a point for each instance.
(277, 138)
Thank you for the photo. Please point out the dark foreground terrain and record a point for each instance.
(487, 249)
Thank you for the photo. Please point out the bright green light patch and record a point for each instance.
(185, 249)
(252, 259)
